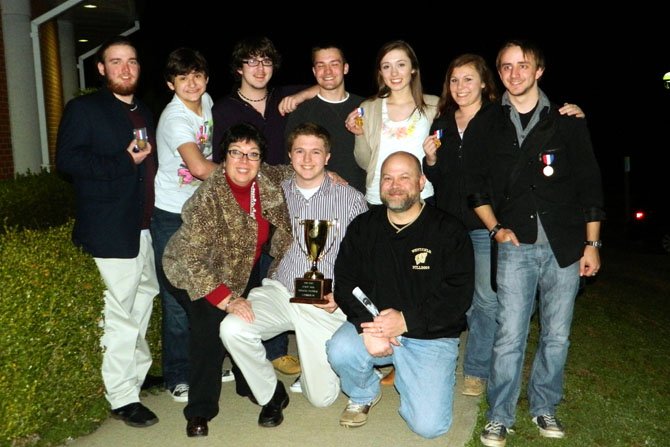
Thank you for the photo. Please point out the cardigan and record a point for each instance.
(216, 243)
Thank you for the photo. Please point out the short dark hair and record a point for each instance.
(311, 129)
(328, 46)
(243, 132)
(253, 47)
(183, 61)
(116, 40)
(528, 48)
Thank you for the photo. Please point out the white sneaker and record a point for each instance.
(227, 375)
(296, 387)
(180, 392)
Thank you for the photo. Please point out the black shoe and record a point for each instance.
(197, 426)
(271, 413)
(135, 415)
(151, 381)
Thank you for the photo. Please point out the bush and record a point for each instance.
(50, 355)
(51, 303)
(35, 201)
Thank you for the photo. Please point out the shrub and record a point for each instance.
(50, 355)
(35, 201)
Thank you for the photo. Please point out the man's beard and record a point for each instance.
(400, 205)
(121, 89)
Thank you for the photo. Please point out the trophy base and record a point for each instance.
(311, 291)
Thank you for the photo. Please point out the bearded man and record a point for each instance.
(416, 265)
(114, 187)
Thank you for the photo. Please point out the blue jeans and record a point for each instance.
(425, 374)
(520, 271)
(175, 326)
(482, 313)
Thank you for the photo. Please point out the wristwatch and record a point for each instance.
(596, 244)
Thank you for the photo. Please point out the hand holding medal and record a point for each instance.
(359, 119)
(438, 138)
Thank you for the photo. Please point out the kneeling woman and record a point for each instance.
(215, 257)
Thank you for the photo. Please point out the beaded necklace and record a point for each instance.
(252, 200)
(239, 92)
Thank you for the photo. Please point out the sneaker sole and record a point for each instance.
(180, 399)
(353, 424)
(551, 433)
(492, 442)
(471, 393)
(227, 379)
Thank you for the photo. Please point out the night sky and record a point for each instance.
(615, 77)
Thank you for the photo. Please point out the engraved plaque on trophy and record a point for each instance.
(312, 287)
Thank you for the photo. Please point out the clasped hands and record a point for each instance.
(380, 334)
(241, 307)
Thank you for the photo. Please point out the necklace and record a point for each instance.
(252, 200)
(399, 229)
(396, 129)
(239, 92)
(132, 106)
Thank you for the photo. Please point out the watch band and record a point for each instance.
(596, 244)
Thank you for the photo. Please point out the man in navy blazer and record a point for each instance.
(113, 182)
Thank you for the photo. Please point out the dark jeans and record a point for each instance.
(207, 353)
(175, 331)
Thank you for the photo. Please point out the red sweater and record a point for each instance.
(243, 196)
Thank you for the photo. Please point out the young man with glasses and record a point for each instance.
(253, 63)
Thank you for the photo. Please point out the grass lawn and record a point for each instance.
(617, 377)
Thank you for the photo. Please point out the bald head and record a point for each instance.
(411, 162)
(401, 181)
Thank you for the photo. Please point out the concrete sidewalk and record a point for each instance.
(236, 425)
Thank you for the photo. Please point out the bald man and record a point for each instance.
(415, 263)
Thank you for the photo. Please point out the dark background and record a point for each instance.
(615, 76)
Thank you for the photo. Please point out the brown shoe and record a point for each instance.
(389, 378)
(473, 386)
(355, 415)
(287, 364)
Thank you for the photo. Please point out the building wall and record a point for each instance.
(53, 87)
(6, 158)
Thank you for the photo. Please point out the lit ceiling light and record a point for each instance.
(90, 6)
(82, 40)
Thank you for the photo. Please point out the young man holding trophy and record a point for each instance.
(298, 295)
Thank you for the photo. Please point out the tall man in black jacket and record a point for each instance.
(543, 208)
(114, 187)
(416, 264)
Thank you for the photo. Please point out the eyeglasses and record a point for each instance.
(238, 155)
(255, 62)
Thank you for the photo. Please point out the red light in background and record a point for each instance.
(639, 215)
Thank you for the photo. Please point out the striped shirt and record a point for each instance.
(334, 202)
